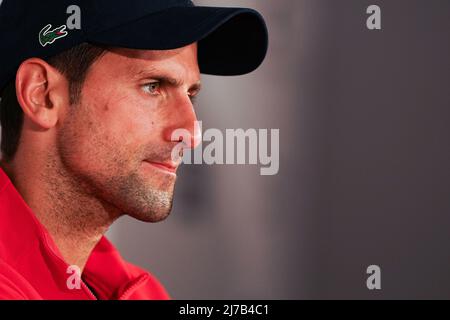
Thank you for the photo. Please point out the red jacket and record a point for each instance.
(31, 267)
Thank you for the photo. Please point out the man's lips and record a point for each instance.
(166, 166)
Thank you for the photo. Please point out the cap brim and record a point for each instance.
(232, 41)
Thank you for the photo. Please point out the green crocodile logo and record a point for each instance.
(47, 36)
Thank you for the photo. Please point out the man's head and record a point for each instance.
(101, 117)
(111, 131)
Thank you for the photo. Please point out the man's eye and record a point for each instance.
(151, 88)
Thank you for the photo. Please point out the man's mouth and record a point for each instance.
(169, 167)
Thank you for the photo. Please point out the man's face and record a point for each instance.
(117, 140)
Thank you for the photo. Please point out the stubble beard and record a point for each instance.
(114, 180)
(140, 199)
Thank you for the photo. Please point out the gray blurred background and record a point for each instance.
(364, 164)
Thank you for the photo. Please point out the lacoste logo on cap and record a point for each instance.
(47, 36)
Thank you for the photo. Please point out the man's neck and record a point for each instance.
(75, 219)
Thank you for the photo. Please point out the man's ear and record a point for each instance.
(42, 92)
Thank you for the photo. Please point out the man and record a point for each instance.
(91, 94)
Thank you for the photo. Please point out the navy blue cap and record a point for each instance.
(232, 41)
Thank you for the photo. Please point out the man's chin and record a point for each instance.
(147, 201)
(150, 217)
(153, 213)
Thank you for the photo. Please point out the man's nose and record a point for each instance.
(185, 126)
